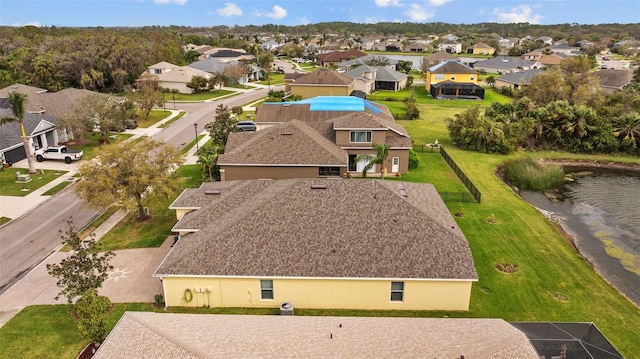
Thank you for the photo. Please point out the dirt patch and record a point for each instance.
(559, 297)
(507, 267)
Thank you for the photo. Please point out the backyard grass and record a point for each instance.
(274, 79)
(553, 282)
(9, 187)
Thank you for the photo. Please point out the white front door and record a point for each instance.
(395, 164)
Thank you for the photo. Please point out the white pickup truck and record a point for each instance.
(58, 153)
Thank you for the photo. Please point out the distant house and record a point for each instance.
(213, 65)
(328, 243)
(450, 47)
(550, 60)
(270, 45)
(335, 57)
(173, 77)
(532, 56)
(226, 54)
(383, 77)
(368, 59)
(518, 79)
(505, 65)
(43, 109)
(438, 57)
(171, 335)
(564, 49)
(545, 39)
(481, 49)
(418, 47)
(323, 82)
(614, 80)
(452, 79)
(318, 137)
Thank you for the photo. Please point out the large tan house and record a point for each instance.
(173, 77)
(317, 243)
(318, 137)
(324, 82)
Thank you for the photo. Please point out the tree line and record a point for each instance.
(562, 109)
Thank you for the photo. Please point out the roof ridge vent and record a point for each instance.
(403, 191)
(211, 192)
(318, 186)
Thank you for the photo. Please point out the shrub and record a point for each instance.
(414, 160)
(531, 174)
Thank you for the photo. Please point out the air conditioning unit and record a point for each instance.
(286, 308)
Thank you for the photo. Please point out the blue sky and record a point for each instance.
(298, 12)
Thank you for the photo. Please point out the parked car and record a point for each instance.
(244, 126)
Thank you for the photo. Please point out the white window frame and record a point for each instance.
(266, 286)
(354, 134)
(397, 290)
(438, 76)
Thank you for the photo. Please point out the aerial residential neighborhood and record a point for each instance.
(250, 187)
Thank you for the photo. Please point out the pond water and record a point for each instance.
(601, 210)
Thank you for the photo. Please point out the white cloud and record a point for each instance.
(277, 13)
(387, 3)
(165, 2)
(521, 13)
(438, 2)
(418, 13)
(229, 9)
(31, 23)
(304, 20)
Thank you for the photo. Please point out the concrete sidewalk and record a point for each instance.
(130, 280)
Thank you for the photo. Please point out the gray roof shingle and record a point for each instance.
(350, 229)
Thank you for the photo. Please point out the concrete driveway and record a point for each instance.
(130, 281)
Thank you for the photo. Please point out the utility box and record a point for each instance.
(286, 308)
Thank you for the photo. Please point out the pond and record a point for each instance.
(601, 211)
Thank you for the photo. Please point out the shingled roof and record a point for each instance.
(323, 76)
(304, 147)
(451, 67)
(171, 335)
(343, 229)
(441, 56)
(338, 56)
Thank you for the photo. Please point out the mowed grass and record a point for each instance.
(154, 117)
(553, 282)
(130, 233)
(9, 187)
(170, 97)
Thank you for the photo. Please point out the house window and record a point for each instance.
(266, 289)
(360, 136)
(397, 291)
(439, 77)
(158, 71)
(329, 171)
(352, 162)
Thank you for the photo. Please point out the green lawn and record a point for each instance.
(553, 283)
(4, 220)
(57, 188)
(170, 97)
(154, 117)
(9, 187)
(152, 233)
(274, 79)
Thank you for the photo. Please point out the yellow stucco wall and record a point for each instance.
(318, 293)
(430, 78)
(483, 51)
(181, 212)
(308, 91)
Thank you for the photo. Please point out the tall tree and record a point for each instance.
(379, 158)
(84, 269)
(17, 101)
(135, 174)
(238, 72)
(221, 127)
(146, 97)
(208, 158)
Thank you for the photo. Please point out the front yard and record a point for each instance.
(9, 187)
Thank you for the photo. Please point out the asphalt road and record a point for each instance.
(28, 240)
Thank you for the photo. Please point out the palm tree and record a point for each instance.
(208, 158)
(17, 100)
(380, 157)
